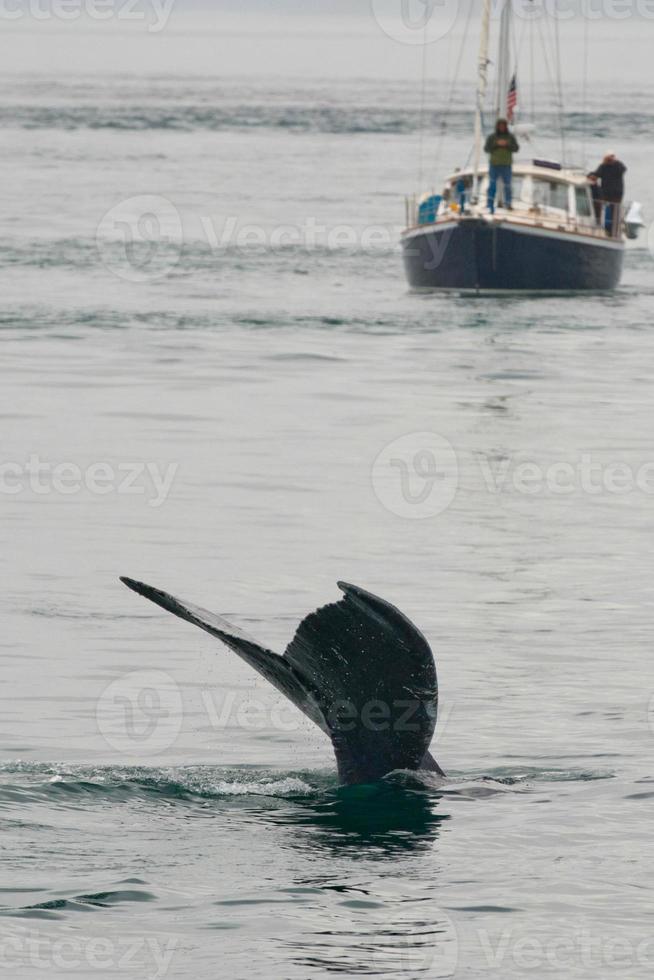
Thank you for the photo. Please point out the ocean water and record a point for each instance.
(214, 379)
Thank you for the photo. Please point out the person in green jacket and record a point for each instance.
(500, 146)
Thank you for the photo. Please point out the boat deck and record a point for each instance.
(521, 218)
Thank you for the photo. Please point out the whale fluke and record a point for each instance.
(358, 668)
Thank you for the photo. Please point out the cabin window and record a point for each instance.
(559, 196)
(520, 190)
(584, 205)
(517, 188)
(551, 194)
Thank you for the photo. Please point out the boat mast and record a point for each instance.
(503, 62)
(482, 83)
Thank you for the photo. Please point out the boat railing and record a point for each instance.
(429, 210)
(411, 211)
(610, 217)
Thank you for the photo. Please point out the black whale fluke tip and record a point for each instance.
(160, 598)
(353, 590)
(147, 591)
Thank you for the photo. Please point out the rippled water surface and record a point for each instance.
(237, 397)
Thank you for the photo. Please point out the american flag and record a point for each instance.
(512, 99)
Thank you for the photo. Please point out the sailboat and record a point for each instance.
(554, 237)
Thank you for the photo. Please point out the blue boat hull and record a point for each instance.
(477, 254)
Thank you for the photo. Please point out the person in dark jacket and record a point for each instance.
(500, 146)
(596, 194)
(610, 175)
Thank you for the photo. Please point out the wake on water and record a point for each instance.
(79, 785)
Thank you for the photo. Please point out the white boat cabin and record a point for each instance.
(542, 192)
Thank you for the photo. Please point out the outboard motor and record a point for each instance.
(633, 221)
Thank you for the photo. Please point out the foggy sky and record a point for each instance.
(305, 38)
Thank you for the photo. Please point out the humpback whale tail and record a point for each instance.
(358, 668)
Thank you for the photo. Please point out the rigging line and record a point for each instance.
(528, 36)
(442, 123)
(502, 97)
(516, 72)
(494, 88)
(519, 41)
(532, 69)
(421, 151)
(548, 67)
(517, 48)
(554, 73)
(584, 90)
(533, 137)
(453, 84)
(559, 82)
